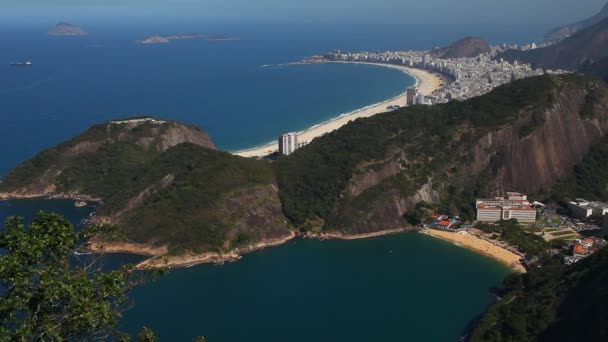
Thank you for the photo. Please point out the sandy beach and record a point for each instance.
(474, 243)
(426, 82)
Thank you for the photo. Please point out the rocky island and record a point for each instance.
(65, 29)
(167, 39)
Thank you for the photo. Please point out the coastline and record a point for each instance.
(158, 255)
(426, 82)
(481, 246)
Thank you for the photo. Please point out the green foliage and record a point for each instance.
(590, 177)
(554, 303)
(510, 231)
(314, 179)
(43, 297)
(146, 335)
(187, 213)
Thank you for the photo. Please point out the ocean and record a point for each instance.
(394, 288)
(241, 92)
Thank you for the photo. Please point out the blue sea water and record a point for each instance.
(241, 92)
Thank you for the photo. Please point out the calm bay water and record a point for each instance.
(407, 287)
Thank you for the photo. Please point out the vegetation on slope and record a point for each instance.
(589, 179)
(189, 213)
(554, 303)
(313, 181)
(161, 183)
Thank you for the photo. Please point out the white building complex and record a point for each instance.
(514, 206)
(288, 143)
(582, 208)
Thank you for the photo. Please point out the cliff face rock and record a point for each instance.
(558, 34)
(468, 47)
(256, 215)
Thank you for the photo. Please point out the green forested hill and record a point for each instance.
(418, 143)
(557, 303)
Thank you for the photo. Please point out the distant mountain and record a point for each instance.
(560, 33)
(65, 29)
(584, 47)
(465, 48)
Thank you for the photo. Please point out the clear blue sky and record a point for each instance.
(511, 11)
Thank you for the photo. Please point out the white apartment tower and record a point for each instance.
(288, 143)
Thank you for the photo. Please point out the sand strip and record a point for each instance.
(474, 243)
(426, 82)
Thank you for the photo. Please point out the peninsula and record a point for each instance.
(65, 29)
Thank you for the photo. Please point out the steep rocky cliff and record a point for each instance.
(523, 136)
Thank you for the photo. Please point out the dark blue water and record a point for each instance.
(407, 287)
(220, 86)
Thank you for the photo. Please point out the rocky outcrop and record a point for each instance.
(534, 162)
(529, 155)
(255, 214)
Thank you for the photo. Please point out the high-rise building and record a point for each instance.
(411, 95)
(288, 143)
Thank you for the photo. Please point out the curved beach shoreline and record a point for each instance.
(426, 82)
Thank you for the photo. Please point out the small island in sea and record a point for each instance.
(167, 39)
(65, 29)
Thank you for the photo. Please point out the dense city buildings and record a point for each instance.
(469, 77)
(514, 206)
(288, 143)
(581, 208)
